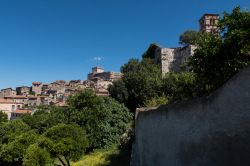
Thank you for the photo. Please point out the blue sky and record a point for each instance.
(46, 40)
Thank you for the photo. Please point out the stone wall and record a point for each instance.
(170, 59)
(210, 131)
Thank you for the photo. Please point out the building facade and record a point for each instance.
(171, 59)
(208, 23)
(99, 73)
(7, 92)
(7, 106)
(23, 90)
(37, 88)
(19, 112)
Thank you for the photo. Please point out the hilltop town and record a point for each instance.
(187, 105)
(23, 99)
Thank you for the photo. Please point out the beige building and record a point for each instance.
(19, 112)
(23, 90)
(37, 88)
(8, 106)
(58, 86)
(7, 92)
(208, 23)
(29, 100)
(17, 99)
(99, 80)
(99, 73)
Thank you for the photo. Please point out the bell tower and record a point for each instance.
(208, 23)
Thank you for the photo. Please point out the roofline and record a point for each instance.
(6, 89)
(208, 14)
(23, 87)
(10, 102)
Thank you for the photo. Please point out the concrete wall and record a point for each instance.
(211, 131)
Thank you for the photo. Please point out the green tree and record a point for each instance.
(104, 119)
(65, 142)
(13, 151)
(189, 37)
(84, 99)
(37, 156)
(180, 86)
(3, 117)
(150, 53)
(156, 101)
(45, 118)
(9, 130)
(119, 91)
(143, 80)
(219, 57)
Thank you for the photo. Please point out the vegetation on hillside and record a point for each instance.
(59, 135)
(217, 58)
(189, 37)
(62, 135)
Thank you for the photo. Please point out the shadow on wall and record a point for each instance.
(209, 131)
(219, 149)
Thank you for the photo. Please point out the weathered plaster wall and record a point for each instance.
(212, 131)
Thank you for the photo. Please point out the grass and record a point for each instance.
(105, 157)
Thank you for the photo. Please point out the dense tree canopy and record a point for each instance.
(189, 37)
(14, 150)
(219, 57)
(11, 129)
(66, 142)
(62, 134)
(45, 118)
(180, 86)
(37, 156)
(150, 53)
(141, 82)
(3, 117)
(105, 119)
(119, 91)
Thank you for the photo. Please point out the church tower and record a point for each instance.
(208, 23)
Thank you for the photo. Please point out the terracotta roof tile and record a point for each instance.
(5, 101)
(20, 111)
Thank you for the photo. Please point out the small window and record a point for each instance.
(212, 21)
(13, 107)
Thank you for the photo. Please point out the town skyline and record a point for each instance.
(47, 40)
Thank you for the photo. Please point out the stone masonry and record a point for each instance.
(171, 59)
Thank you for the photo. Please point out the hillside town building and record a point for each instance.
(55, 93)
(37, 88)
(99, 73)
(7, 106)
(7, 92)
(101, 80)
(19, 112)
(23, 90)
